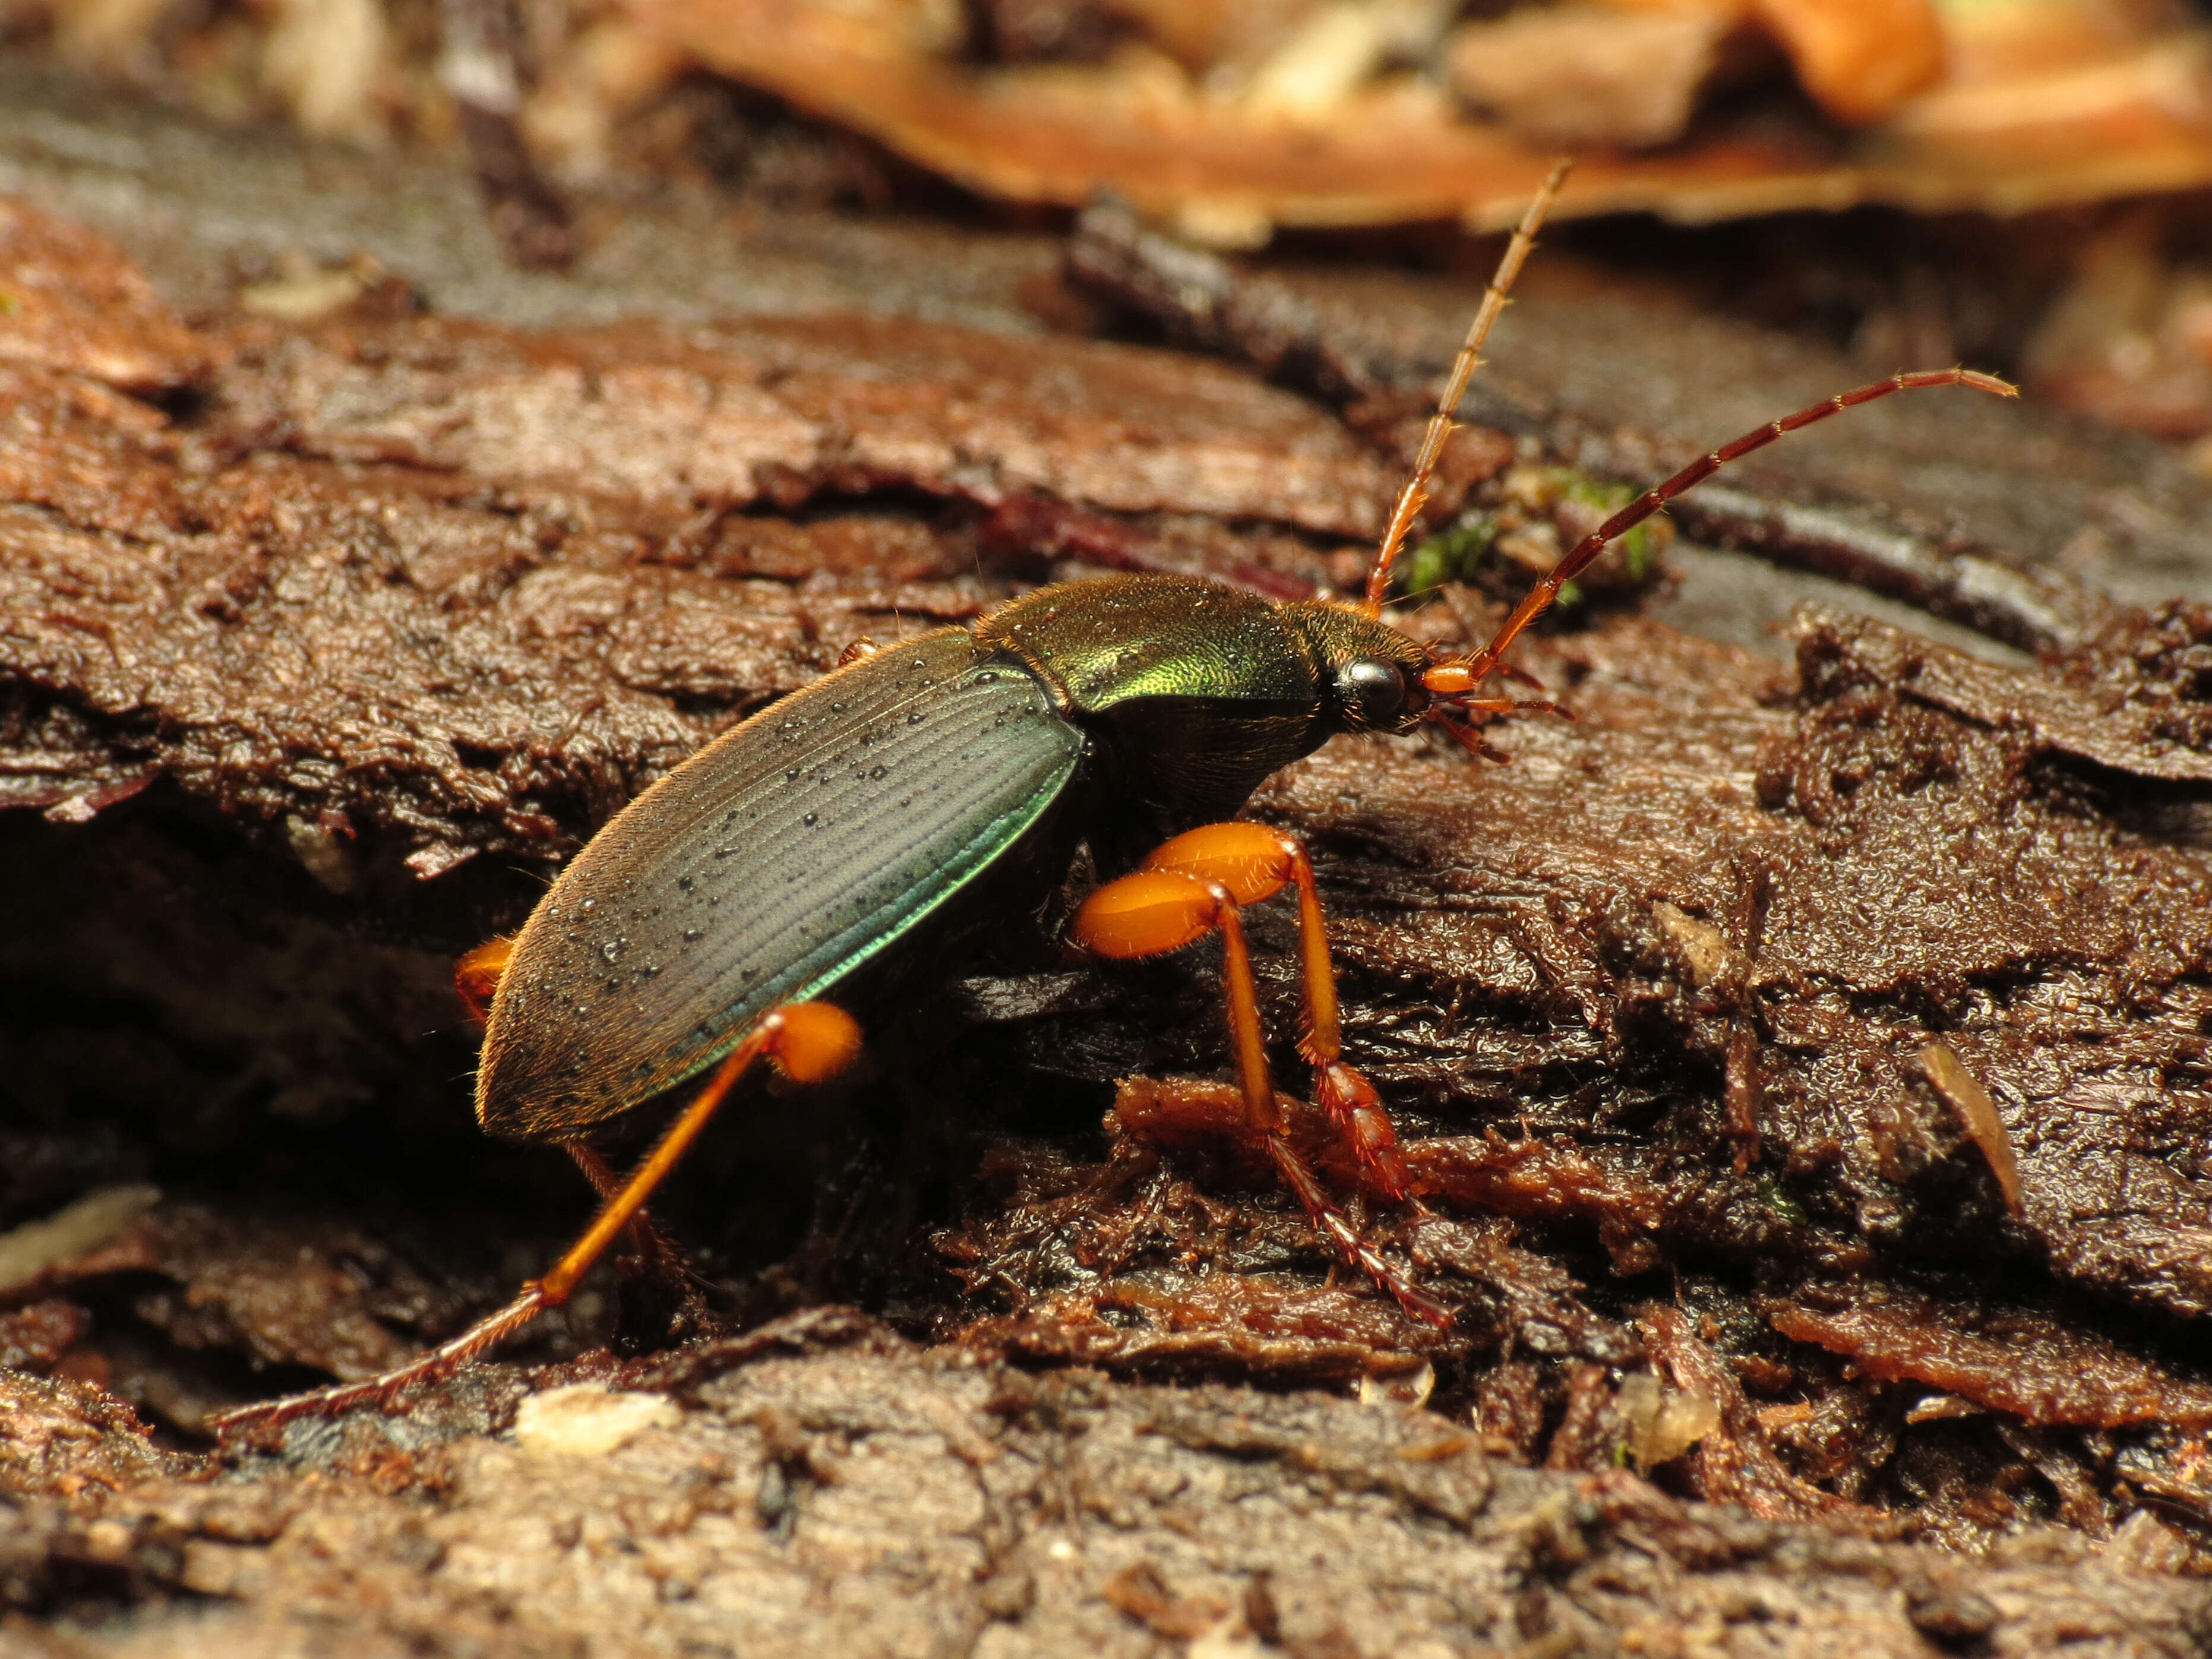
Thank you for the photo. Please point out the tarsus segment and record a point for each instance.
(1455, 678)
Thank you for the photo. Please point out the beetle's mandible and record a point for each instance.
(702, 929)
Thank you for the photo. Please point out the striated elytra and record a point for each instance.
(807, 841)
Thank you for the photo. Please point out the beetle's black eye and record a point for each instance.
(1373, 690)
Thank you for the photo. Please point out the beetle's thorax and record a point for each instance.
(1103, 644)
(1200, 691)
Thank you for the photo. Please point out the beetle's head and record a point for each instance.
(1378, 679)
(1372, 676)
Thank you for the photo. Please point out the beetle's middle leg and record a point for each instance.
(1196, 885)
(655, 1252)
(476, 978)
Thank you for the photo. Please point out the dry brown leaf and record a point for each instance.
(1859, 59)
(1591, 74)
(2031, 115)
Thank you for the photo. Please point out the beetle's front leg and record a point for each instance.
(1255, 862)
(1155, 911)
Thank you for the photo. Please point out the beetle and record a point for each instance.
(699, 931)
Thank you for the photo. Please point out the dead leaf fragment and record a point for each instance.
(2003, 131)
(1592, 74)
(78, 1230)
(1859, 59)
(1663, 1423)
(587, 1419)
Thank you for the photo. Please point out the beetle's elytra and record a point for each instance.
(797, 847)
(712, 923)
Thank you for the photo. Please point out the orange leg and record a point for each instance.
(477, 975)
(1255, 863)
(655, 1254)
(476, 978)
(808, 1042)
(1160, 909)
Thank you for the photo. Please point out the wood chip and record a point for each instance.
(1978, 1113)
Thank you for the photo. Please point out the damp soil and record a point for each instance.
(1800, 1051)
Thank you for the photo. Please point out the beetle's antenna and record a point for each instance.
(1415, 496)
(1457, 678)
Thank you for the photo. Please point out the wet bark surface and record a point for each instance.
(1801, 1062)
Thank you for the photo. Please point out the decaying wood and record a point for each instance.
(873, 1499)
(321, 642)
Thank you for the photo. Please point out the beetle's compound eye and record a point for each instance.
(1372, 690)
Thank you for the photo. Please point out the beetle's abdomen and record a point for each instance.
(764, 869)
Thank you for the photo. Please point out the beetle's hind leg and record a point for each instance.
(1196, 885)
(677, 1303)
(476, 978)
(808, 1042)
